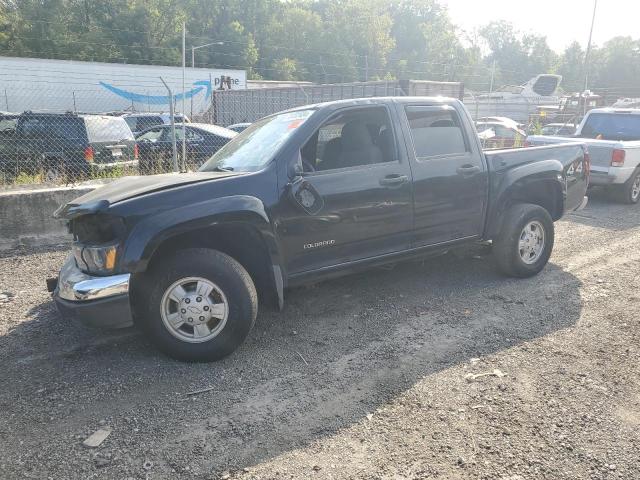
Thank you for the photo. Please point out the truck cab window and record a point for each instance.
(436, 131)
(354, 138)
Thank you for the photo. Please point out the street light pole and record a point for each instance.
(588, 52)
(193, 51)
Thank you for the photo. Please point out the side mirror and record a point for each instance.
(305, 196)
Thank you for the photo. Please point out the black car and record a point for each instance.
(239, 127)
(139, 122)
(66, 145)
(203, 140)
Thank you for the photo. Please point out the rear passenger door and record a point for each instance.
(449, 174)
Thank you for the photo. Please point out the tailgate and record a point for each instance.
(108, 153)
(600, 151)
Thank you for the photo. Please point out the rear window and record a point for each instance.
(435, 131)
(65, 127)
(612, 126)
(138, 124)
(8, 124)
(107, 129)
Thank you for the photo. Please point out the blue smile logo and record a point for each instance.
(160, 99)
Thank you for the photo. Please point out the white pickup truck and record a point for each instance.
(612, 136)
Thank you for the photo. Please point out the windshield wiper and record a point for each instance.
(223, 169)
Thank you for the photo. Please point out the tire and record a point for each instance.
(524, 260)
(54, 172)
(155, 308)
(629, 192)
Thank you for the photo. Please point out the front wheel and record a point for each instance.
(199, 305)
(525, 241)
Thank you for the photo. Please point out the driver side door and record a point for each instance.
(363, 184)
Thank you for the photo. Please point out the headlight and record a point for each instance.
(96, 259)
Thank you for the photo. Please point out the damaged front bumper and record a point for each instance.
(99, 302)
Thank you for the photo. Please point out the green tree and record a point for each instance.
(572, 68)
(285, 69)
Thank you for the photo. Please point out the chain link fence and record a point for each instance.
(71, 147)
(65, 136)
(237, 106)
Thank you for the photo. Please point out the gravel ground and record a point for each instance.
(437, 369)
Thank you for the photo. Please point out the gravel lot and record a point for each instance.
(370, 376)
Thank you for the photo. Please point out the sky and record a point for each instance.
(561, 21)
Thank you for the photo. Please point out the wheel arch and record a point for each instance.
(244, 234)
(543, 188)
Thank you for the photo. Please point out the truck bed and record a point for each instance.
(500, 162)
(600, 152)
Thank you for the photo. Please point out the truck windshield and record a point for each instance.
(252, 149)
(612, 126)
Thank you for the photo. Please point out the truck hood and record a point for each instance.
(126, 188)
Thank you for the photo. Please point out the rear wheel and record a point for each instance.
(525, 241)
(629, 192)
(199, 305)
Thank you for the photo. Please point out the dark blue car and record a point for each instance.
(202, 141)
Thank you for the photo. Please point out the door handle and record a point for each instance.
(468, 170)
(393, 180)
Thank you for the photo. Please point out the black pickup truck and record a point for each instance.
(299, 196)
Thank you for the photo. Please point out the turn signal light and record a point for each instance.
(587, 165)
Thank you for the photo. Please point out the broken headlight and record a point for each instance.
(97, 242)
(96, 259)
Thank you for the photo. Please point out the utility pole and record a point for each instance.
(366, 68)
(493, 74)
(587, 54)
(184, 110)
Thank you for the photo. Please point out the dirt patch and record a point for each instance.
(362, 377)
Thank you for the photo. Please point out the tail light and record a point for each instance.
(88, 154)
(526, 143)
(587, 165)
(617, 157)
(136, 151)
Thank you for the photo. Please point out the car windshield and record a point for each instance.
(612, 126)
(252, 149)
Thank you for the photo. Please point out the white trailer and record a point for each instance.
(92, 87)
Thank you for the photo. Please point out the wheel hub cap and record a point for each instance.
(194, 309)
(531, 244)
(635, 190)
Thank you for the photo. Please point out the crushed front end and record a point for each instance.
(90, 289)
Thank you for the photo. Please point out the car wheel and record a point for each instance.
(630, 191)
(524, 244)
(54, 172)
(199, 305)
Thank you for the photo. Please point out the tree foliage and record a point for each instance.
(320, 40)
